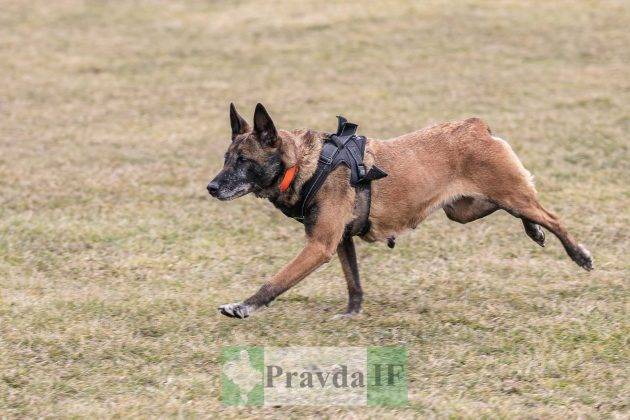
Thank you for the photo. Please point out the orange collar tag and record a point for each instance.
(289, 175)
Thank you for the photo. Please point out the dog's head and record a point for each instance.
(253, 161)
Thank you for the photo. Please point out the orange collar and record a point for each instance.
(287, 179)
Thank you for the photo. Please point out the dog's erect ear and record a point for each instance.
(263, 126)
(239, 125)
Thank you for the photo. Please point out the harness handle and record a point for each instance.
(345, 131)
(341, 122)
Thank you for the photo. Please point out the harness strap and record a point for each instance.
(324, 167)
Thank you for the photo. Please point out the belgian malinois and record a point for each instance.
(459, 167)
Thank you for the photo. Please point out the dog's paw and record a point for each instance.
(236, 310)
(583, 258)
(346, 315)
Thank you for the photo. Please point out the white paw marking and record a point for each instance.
(585, 251)
(588, 263)
(236, 310)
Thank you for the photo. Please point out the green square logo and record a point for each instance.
(387, 376)
(242, 375)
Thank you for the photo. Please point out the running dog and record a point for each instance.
(459, 167)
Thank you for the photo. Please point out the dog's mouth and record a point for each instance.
(235, 193)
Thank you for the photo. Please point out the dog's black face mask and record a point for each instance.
(252, 162)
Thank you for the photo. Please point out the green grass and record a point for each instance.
(113, 117)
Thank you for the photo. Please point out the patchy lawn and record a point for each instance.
(113, 259)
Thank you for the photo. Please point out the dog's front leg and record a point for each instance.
(308, 260)
(321, 246)
(348, 259)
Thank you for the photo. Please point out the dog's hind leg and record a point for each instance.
(504, 180)
(520, 201)
(468, 209)
(348, 258)
(530, 210)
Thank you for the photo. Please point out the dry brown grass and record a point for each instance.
(113, 117)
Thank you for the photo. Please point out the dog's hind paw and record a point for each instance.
(583, 258)
(236, 310)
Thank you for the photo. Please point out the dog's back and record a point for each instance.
(428, 168)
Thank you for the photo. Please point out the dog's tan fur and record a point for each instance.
(457, 166)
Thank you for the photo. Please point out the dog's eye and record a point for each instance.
(240, 159)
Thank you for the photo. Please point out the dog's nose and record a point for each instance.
(213, 188)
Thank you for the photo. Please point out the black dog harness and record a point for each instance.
(347, 148)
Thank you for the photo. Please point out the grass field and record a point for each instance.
(113, 259)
